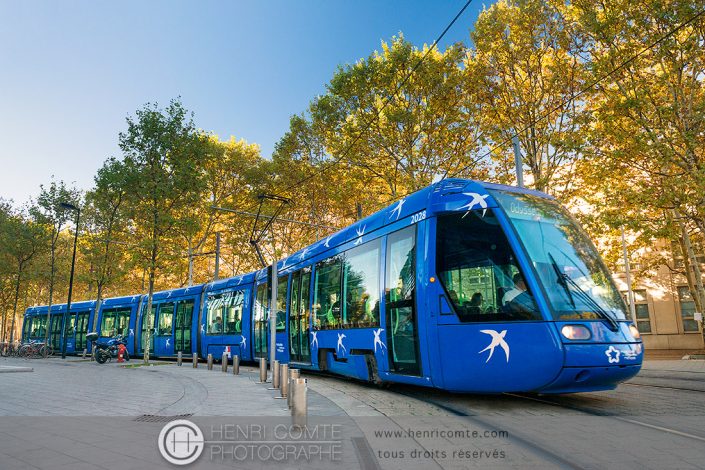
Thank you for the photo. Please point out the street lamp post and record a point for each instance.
(71, 207)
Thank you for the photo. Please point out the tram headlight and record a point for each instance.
(634, 331)
(576, 332)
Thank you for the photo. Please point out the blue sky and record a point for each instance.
(72, 71)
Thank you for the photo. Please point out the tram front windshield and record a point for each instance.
(577, 282)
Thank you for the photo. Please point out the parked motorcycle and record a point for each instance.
(106, 348)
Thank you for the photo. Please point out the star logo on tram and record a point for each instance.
(397, 209)
(382, 346)
(612, 355)
(497, 340)
(340, 343)
(477, 199)
(314, 339)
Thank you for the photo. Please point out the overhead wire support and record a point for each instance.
(255, 236)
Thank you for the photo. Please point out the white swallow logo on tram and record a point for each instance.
(203, 329)
(382, 347)
(243, 342)
(186, 291)
(497, 340)
(303, 253)
(477, 199)
(360, 233)
(314, 340)
(168, 294)
(340, 343)
(167, 342)
(133, 298)
(397, 209)
(328, 239)
(132, 332)
(239, 280)
(612, 355)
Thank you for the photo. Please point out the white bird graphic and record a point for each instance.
(330, 237)
(378, 340)
(340, 343)
(497, 340)
(283, 265)
(314, 340)
(360, 233)
(133, 298)
(239, 280)
(132, 332)
(477, 199)
(303, 253)
(203, 329)
(243, 342)
(167, 342)
(186, 291)
(168, 294)
(397, 209)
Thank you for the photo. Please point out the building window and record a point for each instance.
(687, 309)
(641, 307)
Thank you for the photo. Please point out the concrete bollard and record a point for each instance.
(210, 362)
(224, 362)
(236, 365)
(195, 360)
(293, 374)
(283, 380)
(179, 359)
(262, 370)
(84, 354)
(299, 407)
(275, 375)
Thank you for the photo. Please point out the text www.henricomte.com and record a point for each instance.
(440, 433)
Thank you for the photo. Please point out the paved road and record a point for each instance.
(78, 414)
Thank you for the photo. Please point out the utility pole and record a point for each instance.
(518, 163)
(627, 270)
(273, 317)
(217, 256)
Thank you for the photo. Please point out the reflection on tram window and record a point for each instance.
(225, 312)
(576, 281)
(166, 317)
(479, 270)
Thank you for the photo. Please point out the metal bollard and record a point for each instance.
(224, 362)
(283, 380)
(179, 359)
(210, 362)
(293, 375)
(275, 375)
(299, 406)
(84, 354)
(262, 370)
(236, 365)
(195, 360)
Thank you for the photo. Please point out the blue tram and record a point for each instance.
(464, 286)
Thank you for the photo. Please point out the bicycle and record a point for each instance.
(34, 349)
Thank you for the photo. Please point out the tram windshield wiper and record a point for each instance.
(564, 280)
(561, 280)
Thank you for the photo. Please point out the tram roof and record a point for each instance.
(60, 308)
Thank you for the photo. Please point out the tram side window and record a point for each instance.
(326, 308)
(233, 313)
(166, 317)
(225, 312)
(26, 328)
(39, 327)
(361, 282)
(70, 323)
(281, 303)
(480, 272)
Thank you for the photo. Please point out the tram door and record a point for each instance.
(55, 331)
(182, 329)
(82, 319)
(259, 325)
(400, 288)
(299, 348)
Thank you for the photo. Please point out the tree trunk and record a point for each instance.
(17, 297)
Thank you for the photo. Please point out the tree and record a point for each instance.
(49, 211)
(21, 239)
(527, 63)
(162, 150)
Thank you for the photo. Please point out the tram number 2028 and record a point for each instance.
(418, 217)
